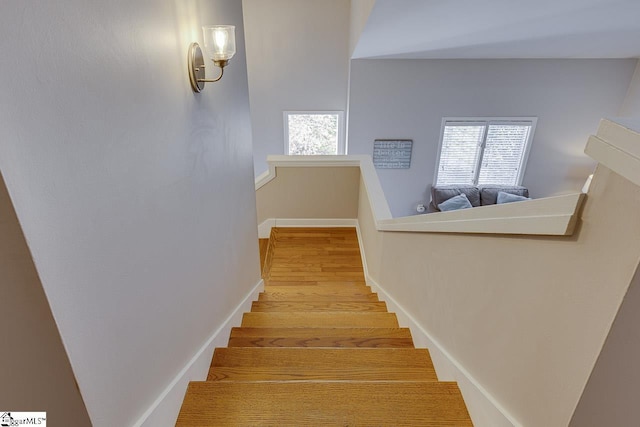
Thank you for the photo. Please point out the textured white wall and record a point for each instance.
(611, 394)
(631, 104)
(34, 366)
(527, 316)
(409, 98)
(360, 11)
(136, 196)
(297, 55)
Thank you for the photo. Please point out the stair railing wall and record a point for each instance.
(516, 304)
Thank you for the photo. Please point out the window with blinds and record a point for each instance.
(484, 151)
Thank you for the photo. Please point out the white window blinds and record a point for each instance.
(503, 153)
(483, 152)
(459, 154)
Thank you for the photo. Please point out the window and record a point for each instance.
(484, 151)
(313, 132)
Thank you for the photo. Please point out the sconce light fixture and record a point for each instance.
(220, 46)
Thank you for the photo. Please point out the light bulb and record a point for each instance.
(220, 41)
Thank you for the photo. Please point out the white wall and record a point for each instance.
(360, 11)
(34, 367)
(136, 196)
(523, 318)
(631, 104)
(409, 98)
(297, 54)
(611, 395)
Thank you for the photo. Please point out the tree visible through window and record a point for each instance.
(313, 133)
(477, 152)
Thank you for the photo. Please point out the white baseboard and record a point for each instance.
(264, 229)
(483, 408)
(164, 411)
(363, 255)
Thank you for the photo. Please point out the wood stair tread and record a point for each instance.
(342, 364)
(319, 290)
(320, 319)
(324, 283)
(319, 348)
(315, 357)
(270, 296)
(219, 403)
(333, 373)
(321, 337)
(269, 306)
(320, 332)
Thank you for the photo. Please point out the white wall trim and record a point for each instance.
(363, 255)
(265, 177)
(264, 229)
(617, 146)
(164, 411)
(483, 408)
(279, 161)
(551, 216)
(547, 216)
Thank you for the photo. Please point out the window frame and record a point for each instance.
(341, 126)
(487, 121)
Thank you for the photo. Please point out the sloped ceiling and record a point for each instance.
(501, 29)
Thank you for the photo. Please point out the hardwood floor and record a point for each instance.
(319, 348)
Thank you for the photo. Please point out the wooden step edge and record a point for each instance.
(214, 403)
(363, 373)
(318, 306)
(327, 357)
(319, 332)
(319, 289)
(320, 319)
(321, 337)
(317, 298)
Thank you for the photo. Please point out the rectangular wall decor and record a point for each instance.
(392, 153)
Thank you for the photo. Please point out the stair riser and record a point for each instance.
(320, 320)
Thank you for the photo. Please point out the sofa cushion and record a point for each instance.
(456, 202)
(509, 198)
(489, 193)
(443, 193)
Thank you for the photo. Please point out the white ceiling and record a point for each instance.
(501, 29)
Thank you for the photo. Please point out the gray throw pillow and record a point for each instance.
(457, 202)
(489, 192)
(442, 193)
(508, 198)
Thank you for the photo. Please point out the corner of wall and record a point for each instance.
(164, 411)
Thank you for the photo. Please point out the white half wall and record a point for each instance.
(407, 99)
(136, 195)
(298, 58)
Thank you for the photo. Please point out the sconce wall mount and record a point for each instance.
(220, 45)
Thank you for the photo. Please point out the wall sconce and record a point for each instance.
(220, 46)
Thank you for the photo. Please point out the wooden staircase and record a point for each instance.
(319, 348)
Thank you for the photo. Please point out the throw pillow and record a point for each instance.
(457, 202)
(508, 198)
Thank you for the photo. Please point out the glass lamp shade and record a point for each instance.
(220, 41)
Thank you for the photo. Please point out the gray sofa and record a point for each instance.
(478, 195)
